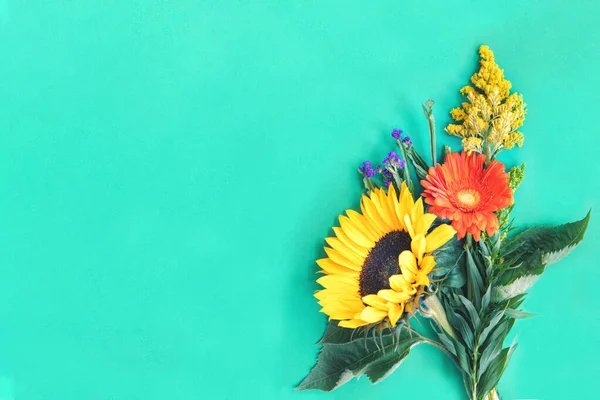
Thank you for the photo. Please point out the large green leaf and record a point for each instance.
(531, 251)
(385, 366)
(376, 357)
(449, 268)
(337, 335)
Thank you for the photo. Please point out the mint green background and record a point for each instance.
(169, 169)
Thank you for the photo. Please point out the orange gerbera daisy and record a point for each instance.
(468, 194)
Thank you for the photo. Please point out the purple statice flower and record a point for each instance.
(367, 169)
(388, 182)
(406, 140)
(392, 161)
(396, 133)
(386, 173)
(402, 164)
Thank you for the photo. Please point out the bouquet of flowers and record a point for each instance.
(452, 256)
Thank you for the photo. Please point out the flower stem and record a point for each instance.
(428, 111)
(406, 168)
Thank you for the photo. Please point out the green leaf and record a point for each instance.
(485, 300)
(515, 288)
(461, 325)
(447, 342)
(463, 359)
(491, 325)
(473, 315)
(475, 278)
(418, 162)
(517, 314)
(338, 363)
(449, 268)
(493, 373)
(385, 366)
(534, 249)
(337, 335)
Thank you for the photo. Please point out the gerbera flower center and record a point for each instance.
(382, 262)
(468, 198)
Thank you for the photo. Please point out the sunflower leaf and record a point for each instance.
(385, 366)
(338, 335)
(337, 364)
(534, 249)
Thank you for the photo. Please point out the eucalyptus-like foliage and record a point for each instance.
(347, 353)
(482, 312)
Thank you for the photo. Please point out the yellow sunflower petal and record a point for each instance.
(418, 246)
(339, 232)
(392, 198)
(374, 300)
(393, 296)
(400, 284)
(395, 313)
(422, 279)
(409, 226)
(407, 262)
(382, 205)
(426, 265)
(438, 237)
(406, 201)
(353, 323)
(339, 283)
(370, 209)
(327, 295)
(355, 233)
(336, 243)
(347, 260)
(418, 210)
(340, 259)
(372, 315)
(422, 224)
(331, 267)
(364, 223)
(338, 313)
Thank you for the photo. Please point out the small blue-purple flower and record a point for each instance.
(396, 133)
(406, 140)
(367, 169)
(392, 161)
(388, 182)
(386, 173)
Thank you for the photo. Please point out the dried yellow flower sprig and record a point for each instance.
(489, 121)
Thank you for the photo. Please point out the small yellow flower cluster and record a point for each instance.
(489, 121)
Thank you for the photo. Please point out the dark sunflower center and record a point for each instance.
(382, 262)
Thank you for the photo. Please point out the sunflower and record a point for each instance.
(378, 264)
(468, 194)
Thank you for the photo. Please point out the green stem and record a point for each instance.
(435, 344)
(428, 111)
(474, 371)
(441, 347)
(406, 167)
(469, 244)
(431, 121)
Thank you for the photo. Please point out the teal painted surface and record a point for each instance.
(170, 168)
